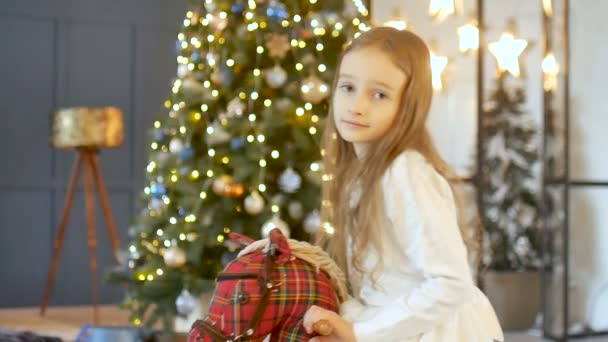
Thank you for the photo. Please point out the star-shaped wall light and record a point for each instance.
(507, 51)
(438, 66)
(440, 9)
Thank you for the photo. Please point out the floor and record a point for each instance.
(66, 322)
(62, 322)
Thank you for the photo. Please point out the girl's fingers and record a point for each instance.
(322, 327)
(319, 339)
(309, 319)
(312, 316)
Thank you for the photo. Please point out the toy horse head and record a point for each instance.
(267, 290)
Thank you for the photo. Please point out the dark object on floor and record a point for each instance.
(25, 336)
(90, 333)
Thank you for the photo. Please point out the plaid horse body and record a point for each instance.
(296, 285)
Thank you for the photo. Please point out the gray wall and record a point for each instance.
(61, 53)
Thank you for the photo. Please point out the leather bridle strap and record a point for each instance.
(265, 285)
(210, 330)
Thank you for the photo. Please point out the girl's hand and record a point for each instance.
(342, 331)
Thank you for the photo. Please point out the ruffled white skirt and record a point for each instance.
(475, 321)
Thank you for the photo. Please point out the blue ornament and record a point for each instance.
(277, 11)
(184, 170)
(186, 153)
(237, 143)
(158, 190)
(195, 57)
(182, 212)
(178, 47)
(160, 136)
(227, 75)
(238, 8)
(290, 181)
(228, 257)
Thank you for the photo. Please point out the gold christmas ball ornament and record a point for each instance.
(314, 90)
(174, 257)
(87, 127)
(236, 190)
(221, 185)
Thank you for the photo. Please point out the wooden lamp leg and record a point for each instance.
(87, 159)
(105, 205)
(89, 200)
(67, 208)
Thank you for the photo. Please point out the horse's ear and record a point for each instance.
(281, 244)
(241, 240)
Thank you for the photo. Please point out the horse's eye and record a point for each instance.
(243, 298)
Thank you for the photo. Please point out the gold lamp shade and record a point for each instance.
(88, 127)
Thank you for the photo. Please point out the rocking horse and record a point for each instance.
(265, 292)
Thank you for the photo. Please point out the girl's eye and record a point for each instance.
(347, 87)
(380, 95)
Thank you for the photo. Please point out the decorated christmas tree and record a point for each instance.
(510, 198)
(238, 148)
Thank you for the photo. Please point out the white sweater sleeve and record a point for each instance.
(421, 208)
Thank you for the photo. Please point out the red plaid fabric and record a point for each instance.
(297, 286)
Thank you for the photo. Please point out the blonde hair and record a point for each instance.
(410, 54)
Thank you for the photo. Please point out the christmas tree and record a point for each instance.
(238, 149)
(510, 201)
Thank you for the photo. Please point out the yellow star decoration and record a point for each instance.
(507, 51)
(438, 65)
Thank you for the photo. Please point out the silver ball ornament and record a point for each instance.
(275, 76)
(174, 257)
(275, 222)
(182, 71)
(254, 203)
(312, 223)
(185, 302)
(176, 145)
(295, 210)
(157, 204)
(290, 181)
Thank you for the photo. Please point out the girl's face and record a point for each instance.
(367, 95)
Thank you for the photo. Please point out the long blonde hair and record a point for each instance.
(408, 132)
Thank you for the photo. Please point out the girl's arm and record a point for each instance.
(421, 208)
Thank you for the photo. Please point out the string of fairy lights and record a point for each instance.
(313, 91)
(507, 51)
(164, 240)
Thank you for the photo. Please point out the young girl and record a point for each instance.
(395, 224)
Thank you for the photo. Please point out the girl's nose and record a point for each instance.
(358, 106)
